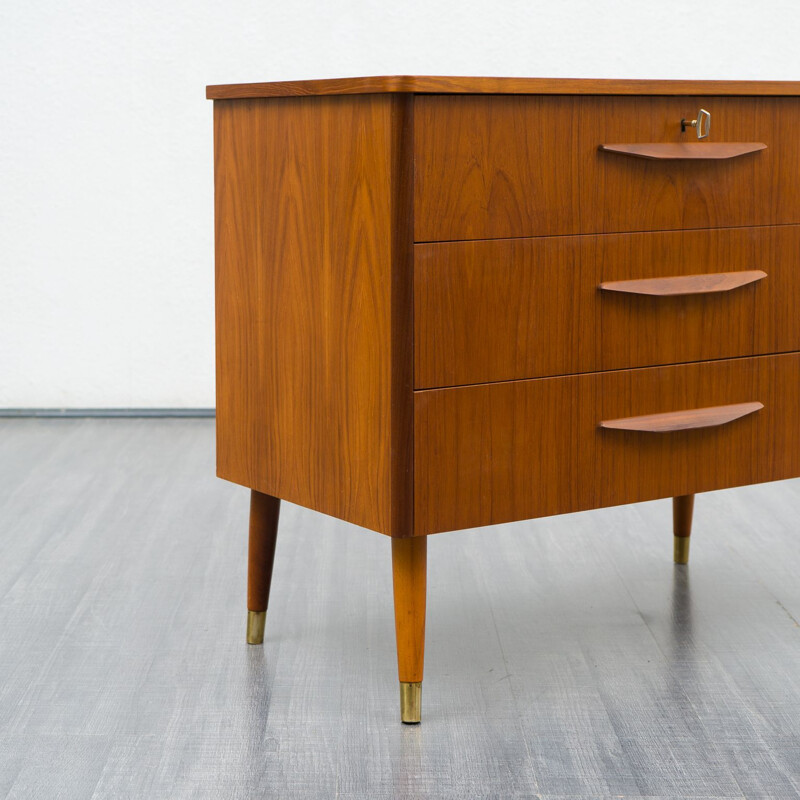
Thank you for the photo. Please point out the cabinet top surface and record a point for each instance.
(436, 84)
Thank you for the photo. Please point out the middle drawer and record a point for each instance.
(496, 310)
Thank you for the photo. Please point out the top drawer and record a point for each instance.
(504, 166)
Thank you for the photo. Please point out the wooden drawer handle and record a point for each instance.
(672, 151)
(683, 420)
(686, 284)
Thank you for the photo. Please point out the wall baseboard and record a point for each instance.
(107, 412)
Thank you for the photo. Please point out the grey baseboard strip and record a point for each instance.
(107, 412)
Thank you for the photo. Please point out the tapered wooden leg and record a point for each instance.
(409, 568)
(264, 512)
(682, 510)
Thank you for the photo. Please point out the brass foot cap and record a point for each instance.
(682, 549)
(410, 702)
(255, 626)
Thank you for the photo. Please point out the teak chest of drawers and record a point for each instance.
(452, 302)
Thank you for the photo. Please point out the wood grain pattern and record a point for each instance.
(305, 209)
(685, 151)
(496, 310)
(678, 286)
(500, 166)
(684, 420)
(409, 579)
(521, 449)
(526, 308)
(263, 536)
(518, 166)
(439, 84)
(500, 452)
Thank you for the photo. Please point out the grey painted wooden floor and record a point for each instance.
(565, 658)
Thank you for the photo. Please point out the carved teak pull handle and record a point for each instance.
(708, 283)
(689, 419)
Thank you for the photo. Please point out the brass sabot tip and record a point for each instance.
(682, 549)
(410, 702)
(255, 626)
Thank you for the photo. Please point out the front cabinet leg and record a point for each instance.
(264, 512)
(682, 510)
(409, 568)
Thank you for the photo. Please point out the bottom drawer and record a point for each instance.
(507, 451)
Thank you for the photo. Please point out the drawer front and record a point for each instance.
(527, 308)
(522, 449)
(508, 166)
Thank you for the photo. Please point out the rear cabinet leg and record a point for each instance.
(682, 510)
(409, 568)
(264, 513)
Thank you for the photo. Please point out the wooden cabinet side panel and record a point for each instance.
(303, 298)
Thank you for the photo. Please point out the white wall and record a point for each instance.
(106, 251)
